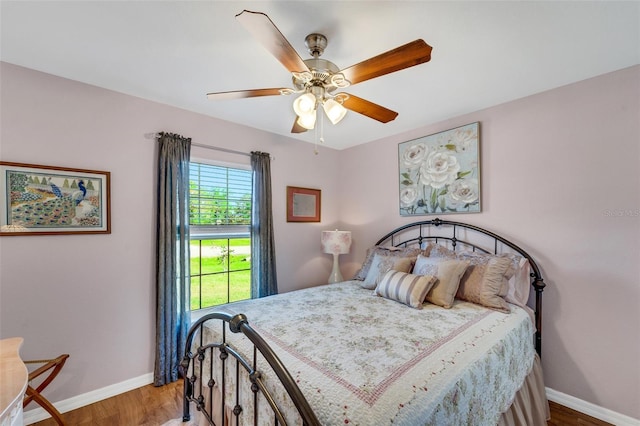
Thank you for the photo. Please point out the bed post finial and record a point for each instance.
(236, 322)
(437, 221)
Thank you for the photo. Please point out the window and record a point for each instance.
(220, 221)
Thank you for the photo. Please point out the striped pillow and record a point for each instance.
(405, 288)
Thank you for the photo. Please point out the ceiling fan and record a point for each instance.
(315, 80)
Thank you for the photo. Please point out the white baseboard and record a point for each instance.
(38, 414)
(590, 409)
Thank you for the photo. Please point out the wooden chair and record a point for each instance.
(55, 365)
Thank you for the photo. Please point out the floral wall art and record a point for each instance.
(440, 173)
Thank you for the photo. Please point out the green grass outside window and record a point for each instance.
(209, 272)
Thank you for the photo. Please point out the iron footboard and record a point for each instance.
(201, 380)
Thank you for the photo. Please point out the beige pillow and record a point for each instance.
(405, 288)
(485, 283)
(385, 251)
(448, 272)
(486, 280)
(381, 264)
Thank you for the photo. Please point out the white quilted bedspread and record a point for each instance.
(363, 360)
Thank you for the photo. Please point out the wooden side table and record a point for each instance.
(13, 382)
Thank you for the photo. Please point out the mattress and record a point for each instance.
(360, 359)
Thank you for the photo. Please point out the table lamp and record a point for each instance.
(336, 243)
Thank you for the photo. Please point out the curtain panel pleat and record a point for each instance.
(172, 258)
(264, 280)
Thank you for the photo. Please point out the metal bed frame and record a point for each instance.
(199, 389)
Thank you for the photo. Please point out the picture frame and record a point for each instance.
(303, 204)
(50, 200)
(440, 173)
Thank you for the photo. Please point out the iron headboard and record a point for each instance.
(417, 233)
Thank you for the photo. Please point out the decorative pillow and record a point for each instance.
(447, 271)
(485, 283)
(405, 288)
(520, 287)
(386, 251)
(426, 247)
(486, 280)
(442, 251)
(381, 264)
(438, 250)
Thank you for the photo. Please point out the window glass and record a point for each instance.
(220, 220)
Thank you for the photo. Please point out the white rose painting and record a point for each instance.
(440, 173)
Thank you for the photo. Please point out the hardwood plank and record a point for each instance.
(561, 416)
(153, 406)
(145, 406)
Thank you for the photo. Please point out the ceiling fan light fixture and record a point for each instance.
(335, 112)
(307, 120)
(315, 80)
(304, 104)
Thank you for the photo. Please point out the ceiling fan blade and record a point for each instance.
(297, 128)
(414, 53)
(371, 110)
(265, 31)
(240, 94)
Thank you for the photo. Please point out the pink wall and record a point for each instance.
(560, 176)
(553, 165)
(93, 295)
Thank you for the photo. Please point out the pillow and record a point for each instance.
(440, 251)
(520, 287)
(447, 271)
(387, 251)
(381, 264)
(426, 247)
(485, 283)
(486, 280)
(405, 288)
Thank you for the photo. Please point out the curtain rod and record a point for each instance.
(217, 148)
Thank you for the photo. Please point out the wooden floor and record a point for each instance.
(561, 415)
(148, 406)
(153, 406)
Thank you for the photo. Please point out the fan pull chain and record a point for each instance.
(315, 149)
(315, 138)
(321, 128)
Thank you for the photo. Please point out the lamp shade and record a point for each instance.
(334, 110)
(304, 104)
(336, 242)
(307, 120)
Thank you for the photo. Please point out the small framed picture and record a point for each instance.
(47, 200)
(303, 204)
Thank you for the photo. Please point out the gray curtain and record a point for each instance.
(172, 259)
(264, 281)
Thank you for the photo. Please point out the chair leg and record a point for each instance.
(44, 403)
(34, 394)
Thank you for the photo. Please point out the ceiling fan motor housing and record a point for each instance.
(321, 73)
(316, 43)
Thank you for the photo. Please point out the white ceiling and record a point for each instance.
(174, 52)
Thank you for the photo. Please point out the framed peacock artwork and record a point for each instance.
(47, 200)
